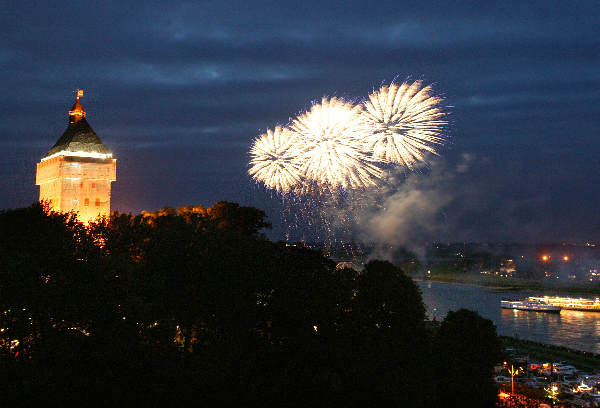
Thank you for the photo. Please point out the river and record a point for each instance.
(573, 329)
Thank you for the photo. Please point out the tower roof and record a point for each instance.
(79, 139)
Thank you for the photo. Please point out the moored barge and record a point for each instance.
(529, 305)
(582, 304)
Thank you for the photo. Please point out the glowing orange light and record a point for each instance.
(565, 258)
(512, 373)
(545, 258)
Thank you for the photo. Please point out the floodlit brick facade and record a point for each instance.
(77, 173)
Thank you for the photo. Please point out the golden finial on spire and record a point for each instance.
(77, 112)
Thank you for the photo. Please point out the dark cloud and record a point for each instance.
(179, 89)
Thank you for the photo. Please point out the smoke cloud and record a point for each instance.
(414, 209)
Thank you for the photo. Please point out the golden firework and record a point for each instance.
(330, 137)
(273, 160)
(406, 121)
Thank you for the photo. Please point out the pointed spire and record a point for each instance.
(79, 139)
(77, 112)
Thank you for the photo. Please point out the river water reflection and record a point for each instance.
(573, 329)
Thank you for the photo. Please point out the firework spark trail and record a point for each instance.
(273, 160)
(406, 121)
(332, 134)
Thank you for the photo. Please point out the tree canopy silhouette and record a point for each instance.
(195, 302)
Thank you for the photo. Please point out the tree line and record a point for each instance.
(195, 303)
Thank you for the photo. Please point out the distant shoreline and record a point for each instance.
(461, 283)
(510, 285)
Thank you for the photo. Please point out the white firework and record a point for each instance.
(331, 137)
(273, 160)
(406, 121)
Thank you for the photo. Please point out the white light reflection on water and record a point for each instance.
(573, 329)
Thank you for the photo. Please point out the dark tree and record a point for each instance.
(245, 220)
(388, 339)
(466, 348)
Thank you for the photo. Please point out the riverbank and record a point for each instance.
(574, 329)
(494, 282)
(493, 288)
(547, 352)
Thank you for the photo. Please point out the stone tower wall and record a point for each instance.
(77, 184)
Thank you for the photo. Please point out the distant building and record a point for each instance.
(76, 173)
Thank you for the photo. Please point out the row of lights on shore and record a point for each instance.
(547, 258)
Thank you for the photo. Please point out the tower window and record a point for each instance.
(97, 202)
(93, 185)
(86, 202)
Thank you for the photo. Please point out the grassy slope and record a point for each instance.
(548, 353)
(515, 284)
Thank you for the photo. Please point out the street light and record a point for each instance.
(512, 372)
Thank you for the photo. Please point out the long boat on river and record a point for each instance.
(529, 305)
(586, 305)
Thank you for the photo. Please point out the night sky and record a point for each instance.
(178, 91)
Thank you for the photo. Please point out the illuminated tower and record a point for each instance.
(76, 173)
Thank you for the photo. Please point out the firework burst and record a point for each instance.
(273, 160)
(331, 135)
(405, 122)
(328, 162)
